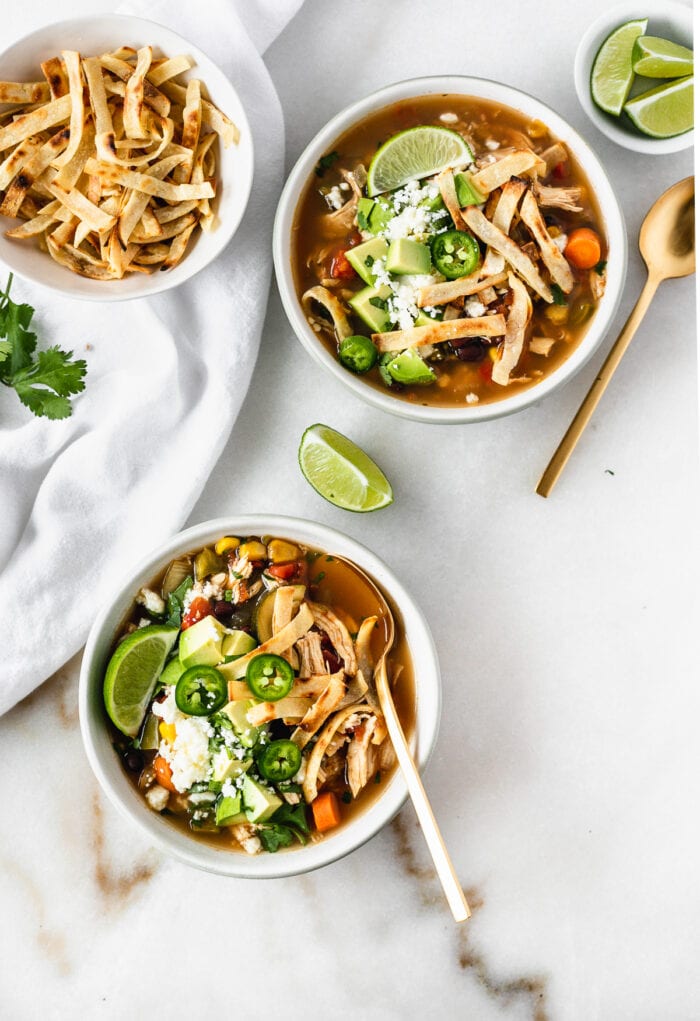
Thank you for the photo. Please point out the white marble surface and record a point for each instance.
(565, 777)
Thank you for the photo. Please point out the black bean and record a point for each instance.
(222, 609)
(472, 351)
(133, 760)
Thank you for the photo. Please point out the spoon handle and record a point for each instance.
(433, 838)
(590, 402)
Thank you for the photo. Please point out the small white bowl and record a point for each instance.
(105, 762)
(20, 62)
(483, 89)
(666, 19)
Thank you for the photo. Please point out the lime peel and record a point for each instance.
(612, 73)
(414, 154)
(132, 674)
(665, 111)
(341, 472)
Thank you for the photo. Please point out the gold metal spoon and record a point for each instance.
(433, 838)
(667, 244)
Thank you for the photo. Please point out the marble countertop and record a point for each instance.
(564, 777)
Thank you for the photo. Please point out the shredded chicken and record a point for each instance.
(361, 760)
(339, 636)
(310, 651)
(246, 835)
(559, 198)
(342, 220)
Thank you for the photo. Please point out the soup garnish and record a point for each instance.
(242, 694)
(449, 281)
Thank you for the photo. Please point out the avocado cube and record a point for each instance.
(423, 319)
(236, 712)
(409, 368)
(225, 766)
(467, 193)
(361, 257)
(229, 811)
(237, 643)
(406, 256)
(200, 645)
(380, 216)
(258, 803)
(173, 672)
(369, 305)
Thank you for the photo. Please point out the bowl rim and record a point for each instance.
(464, 85)
(586, 52)
(131, 805)
(226, 230)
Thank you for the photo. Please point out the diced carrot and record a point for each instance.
(583, 248)
(326, 811)
(164, 774)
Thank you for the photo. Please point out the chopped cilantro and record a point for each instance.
(378, 777)
(325, 162)
(600, 267)
(558, 295)
(362, 221)
(346, 797)
(319, 578)
(609, 471)
(378, 303)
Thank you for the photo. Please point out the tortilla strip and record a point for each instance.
(502, 218)
(516, 324)
(448, 190)
(553, 156)
(192, 115)
(542, 345)
(65, 233)
(313, 765)
(32, 171)
(83, 208)
(133, 96)
(104, 129)
(38, 120)
(78, 262)
(211, 115)
(278, 643)
(507, 247)
(137, 201)
(495, 175)
(69, 175)
(167, 213)
(147, 183)
(551, 256)
(320, 710)
(333, 306)
(37, 224)
(152, 96)
(443, 293)
(151, 255)
(285, 708)
(55, 73)
(479, 326)
(150, 228)
(17, 158)
(171, 68)
(204, 153)
(71, 59)
(172, 230)
(24, 92)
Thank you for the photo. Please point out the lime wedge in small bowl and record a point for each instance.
(612, 74)
(132, 673)
(665, 111)
(414, 154)
(660, 58)
(341, 472)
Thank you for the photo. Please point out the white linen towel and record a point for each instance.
(84, 498)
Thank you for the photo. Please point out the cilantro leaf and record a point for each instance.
(326, 162)
(362, 220)
(599, 267)
(557, 294)
(273, 837)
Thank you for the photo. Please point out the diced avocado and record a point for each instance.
(173, 672)
(467, 193)
(423, 319)
(364, 208)
(258, 803)
(361, 257)
(236, 711)
(373, 215)
(369, 304)
(229, 811)
(406, 256)
(201, 644)
(237, 643)
(226, 766)
(408, 367)
(435, 204)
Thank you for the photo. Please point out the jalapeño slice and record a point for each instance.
(269, 677)
(279, 760)
(455, 253)
(200, 691)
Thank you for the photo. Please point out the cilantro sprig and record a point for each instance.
(44, 381)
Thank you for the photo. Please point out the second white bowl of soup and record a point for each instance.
(463, 294)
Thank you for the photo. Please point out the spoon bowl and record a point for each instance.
(667, 236)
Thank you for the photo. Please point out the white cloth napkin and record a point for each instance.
(85, 498)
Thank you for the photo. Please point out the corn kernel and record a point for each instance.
(167, 731)
(229, 542)
(553, 231)
(280, 552)
(557, 314)
(253, 550)
(536, 129)
(494, 354)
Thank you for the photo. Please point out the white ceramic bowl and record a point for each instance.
(128, 801)
(666, 19)
(20, 62)
(531, 107)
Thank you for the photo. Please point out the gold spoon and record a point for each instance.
(436, 845)
(667, 244)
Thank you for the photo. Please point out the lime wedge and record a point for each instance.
(660, 58)
(132, 673)
(612, 74)
(342, 473)
(415, 153)
(665, 111)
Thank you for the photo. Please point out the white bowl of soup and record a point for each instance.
(256, 747)
(481, 288)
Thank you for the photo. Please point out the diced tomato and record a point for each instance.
(291, 571)
(485, 369)
(198, 609)
(341, 268)
(560, 170)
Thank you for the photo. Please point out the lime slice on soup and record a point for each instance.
(612, 74)
(660, 58)
(413, 154)
(341, 472)
(665, 111)
(132, 673)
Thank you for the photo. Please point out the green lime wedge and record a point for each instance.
(132, 673)
(415, 153)
(612, 74)
(665, 111)
(342, 473)
(659, 58)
